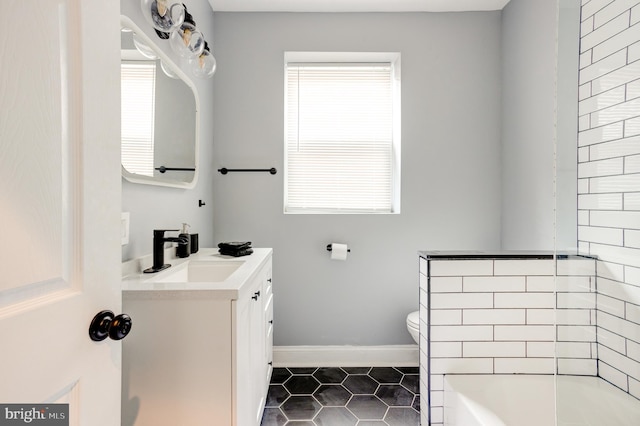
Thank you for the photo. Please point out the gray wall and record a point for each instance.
(153, 207)
(528, 102)
(567, 125)
(450, 165)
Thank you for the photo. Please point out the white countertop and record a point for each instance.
(143, 285)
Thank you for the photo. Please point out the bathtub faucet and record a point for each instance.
(158, 249)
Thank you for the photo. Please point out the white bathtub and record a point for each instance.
(529, 400)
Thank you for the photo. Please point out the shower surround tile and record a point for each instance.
(504, 318)
(608, 205)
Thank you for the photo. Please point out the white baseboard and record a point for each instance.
(346, 356)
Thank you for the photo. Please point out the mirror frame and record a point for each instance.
(126, 22)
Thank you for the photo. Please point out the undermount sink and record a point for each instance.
(201, 271)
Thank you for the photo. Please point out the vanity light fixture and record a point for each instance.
(164, 15)
(186, 41)
(168, 71)
(142, 47)
(203, 65)
(171, 21)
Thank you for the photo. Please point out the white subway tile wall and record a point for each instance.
(609, 187)
(498, 316)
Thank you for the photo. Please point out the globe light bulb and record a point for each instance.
(203, 65)
(163, 15)
(187, 41)
(143, 48)
(168, 71)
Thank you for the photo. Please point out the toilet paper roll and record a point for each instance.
(339, 251)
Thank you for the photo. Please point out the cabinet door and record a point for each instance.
(254, 349)
(243, 411)
(176, 361)
(268, 324)
(258, 361)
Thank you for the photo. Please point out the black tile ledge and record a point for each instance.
(463, 254)
(507, 254)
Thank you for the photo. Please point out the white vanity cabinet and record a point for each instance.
(199, 353)
(254, 349)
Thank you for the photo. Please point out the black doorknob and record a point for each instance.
(104, 325)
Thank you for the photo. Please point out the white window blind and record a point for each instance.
(339, 138)
(138, 116)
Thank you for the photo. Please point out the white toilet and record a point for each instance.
(413, 325)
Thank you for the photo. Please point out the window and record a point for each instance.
(138, 81)
(342, 133)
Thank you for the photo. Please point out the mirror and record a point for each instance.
(160, 114)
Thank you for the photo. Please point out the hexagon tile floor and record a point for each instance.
(348, 396)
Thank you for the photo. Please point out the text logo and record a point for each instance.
(34, 414)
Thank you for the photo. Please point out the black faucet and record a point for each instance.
(158, 249)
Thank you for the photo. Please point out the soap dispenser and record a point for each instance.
(184, 250)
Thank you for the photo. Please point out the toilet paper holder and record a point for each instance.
(329, 248)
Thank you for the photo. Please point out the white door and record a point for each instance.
(59, 205)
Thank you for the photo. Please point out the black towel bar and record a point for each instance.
(224, 170)
(163, 169)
